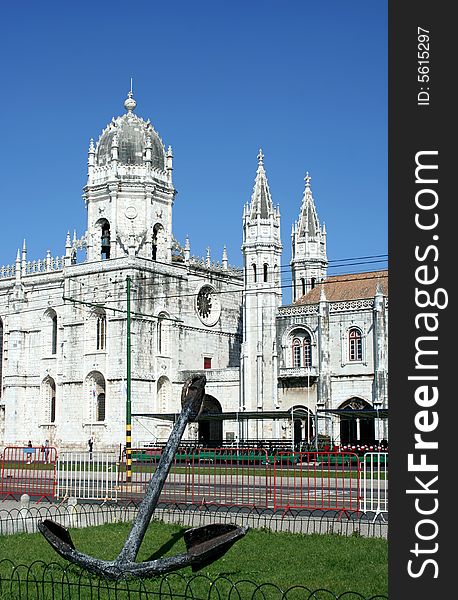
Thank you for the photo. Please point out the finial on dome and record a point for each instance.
(260, 157)
(130, 103)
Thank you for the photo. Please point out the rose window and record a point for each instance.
(208, 306)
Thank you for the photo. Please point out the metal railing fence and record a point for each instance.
(87, 476)
(225, 476)
(28, 470)
(317, 480)
(374, 483)
(305, 522)
(41, 581)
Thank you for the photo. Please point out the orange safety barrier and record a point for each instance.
(28, 470)
(317, 480)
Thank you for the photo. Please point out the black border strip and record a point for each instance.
(422, 123)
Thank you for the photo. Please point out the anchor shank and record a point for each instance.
(192, 397)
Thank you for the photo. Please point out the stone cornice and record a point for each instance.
(210, 330)
(349, 305)
(307, 309)
(212, 375)
(310, 309)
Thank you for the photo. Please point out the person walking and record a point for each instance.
(45, 450)
(29, 451)
(90, 444)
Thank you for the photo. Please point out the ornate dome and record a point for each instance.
(133, 137)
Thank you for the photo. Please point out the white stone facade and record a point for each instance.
(63, 321)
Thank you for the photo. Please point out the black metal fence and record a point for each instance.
(41, 581)
(19, 520)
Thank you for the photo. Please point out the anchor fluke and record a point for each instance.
(58, 536)
(208, 543)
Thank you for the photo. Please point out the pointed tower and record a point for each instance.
(129, 192)
(309, 260)
(261, 297)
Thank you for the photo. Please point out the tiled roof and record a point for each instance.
(353, 286)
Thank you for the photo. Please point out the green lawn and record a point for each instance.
(333, 562)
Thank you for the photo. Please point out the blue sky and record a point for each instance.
(304, 80)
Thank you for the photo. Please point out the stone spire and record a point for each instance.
(18, 271)
(308, 224)
(148, 152)
(262, 218)
(261, 200)
(169, 162)
(115, 148)
(309, 259)
(187, 250)
(24, 259)
(91, 159)
(68, 250)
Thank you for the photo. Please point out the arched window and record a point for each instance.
(307, 347)
(1, 356)
(50, 332)
(163, 394)
(355, 344)
(101, 407)
(154, 245)
(95, 389)
(53, 409)
(254, 273)
(105, 240)
(158, 243)
(48, 387)
(54, 334)
(163, 334)
(159, 333)
(301, 349)
(101, 330)
(303, 286)
(297, 345)
(266, 267)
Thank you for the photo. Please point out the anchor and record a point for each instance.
(203, 544)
